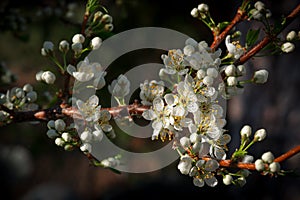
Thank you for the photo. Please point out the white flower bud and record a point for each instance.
(108, 27)
(241, 70)
(185, 142)
(203, 7)
(259, 6)
(194, 137)
(244, 172)
(51, 124)
(52, 133)
(268, 13)
(256, 14)
(86, 136)
(78, 38)
(274, 167)
(95, 43)
(201, 74)
(107, 19)
(268, 157)
(291, 35)
(64, 46)
(208, 80)
(48, 77)
(66, 136)
(86, 147)
(246, 131)
(241, 181)
(230, 70)
(260, 134)
(185, 164)
(287, 47)
(260, 76)
(60, 125)
(48, 46)
(227, 179)
(195, 12)
(232, 81)
(38, 76)
(27, 88)
(212, 72)
(97, 15)
(77, 47)
(59, 142)
(259, 165)
(31, 96)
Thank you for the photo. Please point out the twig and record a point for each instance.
(251, 166)
(268, 38)
(240, 16)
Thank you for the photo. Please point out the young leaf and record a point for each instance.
(251, 37)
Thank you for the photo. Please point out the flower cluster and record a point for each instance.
(267, 164)
(151, 90)
(93, 122)
(63, 135)
(88, 72)
(18, 99)
(259, 12)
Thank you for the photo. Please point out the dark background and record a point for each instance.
(33, 167)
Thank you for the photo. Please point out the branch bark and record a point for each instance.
(268, 38)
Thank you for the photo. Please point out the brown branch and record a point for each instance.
(84, 22)
(268, 38)
(240, 16)
(251, 166)
(63, 110)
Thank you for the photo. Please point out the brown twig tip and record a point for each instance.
(240, 16)
(288, 154)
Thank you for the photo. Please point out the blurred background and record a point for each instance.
(33, 167)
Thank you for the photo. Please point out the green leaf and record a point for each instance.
(223, 25)
(252, 37)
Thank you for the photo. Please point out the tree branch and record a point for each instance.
(268, 38)
(251, 166)
(240, 16)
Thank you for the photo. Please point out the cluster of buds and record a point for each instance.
(289, 46)
(46, 76)
(259, 12)
(62, 134)
(266, 164)
(232, 84)
(20, 99)
(98, 23)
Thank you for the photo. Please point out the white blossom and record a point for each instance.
(96, 43)
(260, 76)
(260, 134)
(194, 12)
(233, 50)
(274, 167)
(64, 46)
(59, 125)
(227, 179)
(66, 136)
(287, 47)
(48, 77)
(232, 81)
(230, 70)
(185, 164)
(267, 157)
(292, 35)
(246, 131)
(78, 38)
(203, 7)
(59, 141)
(86, 147)
(259, 165)
(51, 133)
